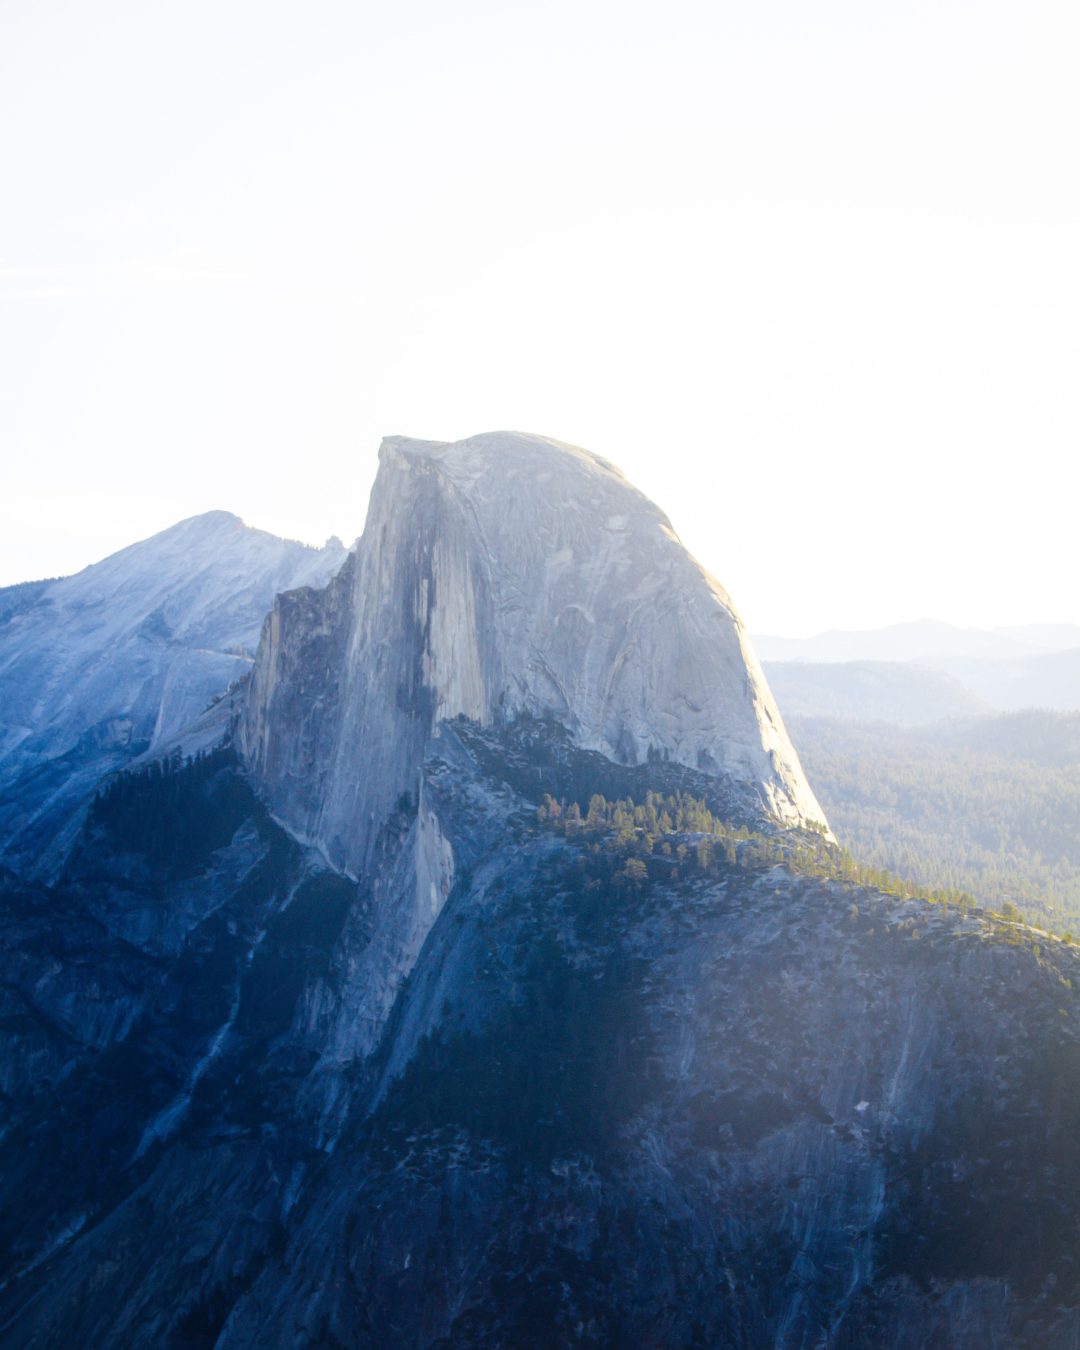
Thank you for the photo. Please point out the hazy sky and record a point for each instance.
(809, 273)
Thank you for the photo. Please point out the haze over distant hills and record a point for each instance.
(946, 753)
(926, 640)
(1051, 636)
(922, 671)
(870, 691)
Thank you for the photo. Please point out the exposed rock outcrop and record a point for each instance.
(501, 575)
(350, 1034)
(98, 667)
(741, 1109)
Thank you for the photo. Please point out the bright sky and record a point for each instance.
(809, 274)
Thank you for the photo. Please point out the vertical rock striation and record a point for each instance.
(497, 576)
(501, 1087)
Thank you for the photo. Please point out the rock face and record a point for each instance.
(98, 667)
(496, 576)
(736, 1108)
(345, 1035)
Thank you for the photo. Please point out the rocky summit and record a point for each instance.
(484, 973)
(100, 667)
(500, 576)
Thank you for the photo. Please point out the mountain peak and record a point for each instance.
(524, 492)
(500, 576)
(509, 450)
(125, 653)
(227, 525)
(211, 519)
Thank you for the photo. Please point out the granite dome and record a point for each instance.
(502, 575)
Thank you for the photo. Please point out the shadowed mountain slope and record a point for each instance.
(98, 667)
(499, 985)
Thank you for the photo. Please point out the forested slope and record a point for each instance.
(988, 805)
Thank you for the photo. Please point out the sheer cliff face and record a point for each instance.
(500, 1087)
(501, 575)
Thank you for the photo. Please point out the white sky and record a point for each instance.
(810, 274)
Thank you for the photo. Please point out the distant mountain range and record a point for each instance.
(870, 691)
(911, 673)
(927, 641)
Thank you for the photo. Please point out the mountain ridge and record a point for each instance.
(923, 640)
(736, 1107)
(97, 667)
(480, 971)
